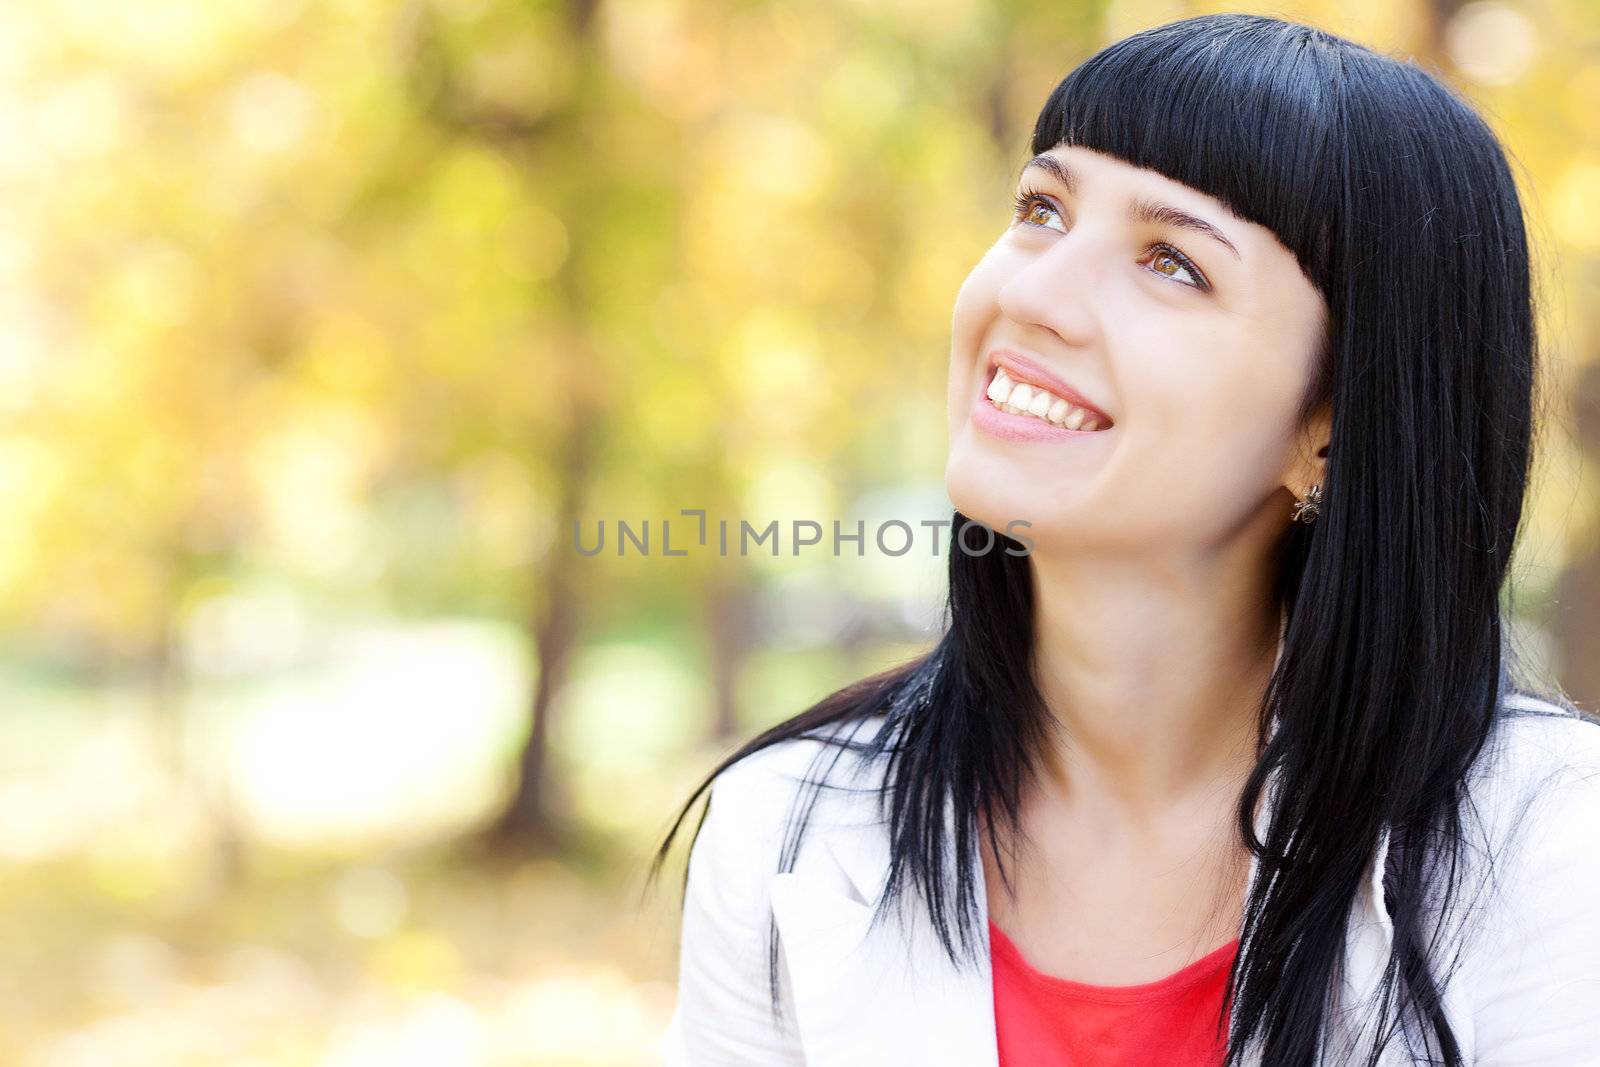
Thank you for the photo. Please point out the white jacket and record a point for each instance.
(1526, 994)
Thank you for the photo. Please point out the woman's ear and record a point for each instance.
(1309, 463)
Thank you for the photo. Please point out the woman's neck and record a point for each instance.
(1154, 674)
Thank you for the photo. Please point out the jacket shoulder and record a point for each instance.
(1540, 751)
(763, 785)
(754, 801)
(1534, 787)
(1533, 971)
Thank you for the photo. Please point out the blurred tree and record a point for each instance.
(530, 134)
(1575, 618)
(365, 304)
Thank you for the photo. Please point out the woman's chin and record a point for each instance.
(995, 502)
(991, 489)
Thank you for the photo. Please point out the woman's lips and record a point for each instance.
(1021, 368)
(991, 420)
(1010, 427)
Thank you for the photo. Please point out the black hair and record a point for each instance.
(1400, 206)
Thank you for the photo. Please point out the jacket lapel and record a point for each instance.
(1353, 1025)
(881, 996)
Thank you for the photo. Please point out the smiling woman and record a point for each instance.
(1238, 765)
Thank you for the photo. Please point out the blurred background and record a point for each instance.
(321, 323)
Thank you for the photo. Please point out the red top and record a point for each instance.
(1045, 1021)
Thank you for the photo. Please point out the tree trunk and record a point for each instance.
(730, 618)
(536, 817)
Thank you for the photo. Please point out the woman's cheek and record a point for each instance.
(975, 312)
(975, 306)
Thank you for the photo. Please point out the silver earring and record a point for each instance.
(1306, 510)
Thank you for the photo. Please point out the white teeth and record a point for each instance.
(1000, 388)
(1019, 398)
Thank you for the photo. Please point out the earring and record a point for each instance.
(1306, 510)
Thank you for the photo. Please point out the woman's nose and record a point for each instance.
(1060, 289)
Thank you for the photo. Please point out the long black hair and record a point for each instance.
(1401, 208)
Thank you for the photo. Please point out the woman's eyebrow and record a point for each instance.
(1141, 210)
(1166, 215)
(1056, 169)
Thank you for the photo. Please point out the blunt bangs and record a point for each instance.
(1239, 108)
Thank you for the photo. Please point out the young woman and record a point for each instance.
(1236, 764)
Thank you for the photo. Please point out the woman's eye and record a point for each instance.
(1170, 263)
(1033, 209)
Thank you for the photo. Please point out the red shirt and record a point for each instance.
(1045, 1021)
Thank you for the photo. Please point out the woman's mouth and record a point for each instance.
(1021, 398)
(1027, 409)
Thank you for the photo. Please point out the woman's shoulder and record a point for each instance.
(754, 801)
(834, 756)
(828, 767)
(1530, 976)
(1536, 782)
(1531, 809)
(1538, 745)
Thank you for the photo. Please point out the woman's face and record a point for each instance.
(1188, 336)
